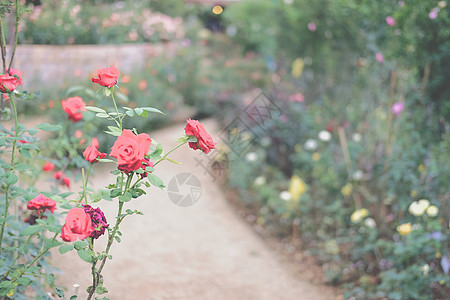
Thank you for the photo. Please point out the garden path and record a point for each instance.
(205, 251)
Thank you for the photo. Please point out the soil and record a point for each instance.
(204, 251)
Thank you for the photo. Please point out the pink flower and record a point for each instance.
(78, 133)
(390, 21)
(379, 57)
(397, 108)
(312, 26)
(297, 97)
(434, 13)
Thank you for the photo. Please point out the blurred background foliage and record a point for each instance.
(359, 132)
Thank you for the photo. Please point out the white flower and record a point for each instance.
(285, 195)
(324, 135)
(425, 269)
(265, 141)
(311, 145)
(251, 156)
(417, 208)
(432, 211)
(358, 175)
(260, 180)
(369, 222)
(357, 137)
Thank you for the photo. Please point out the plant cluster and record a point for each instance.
(352, 154)
(25, 241)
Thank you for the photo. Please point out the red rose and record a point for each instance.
(107, 77)
(78, 225)
(66, 181)
(41, 203)
(18, 74)
(48, 167)
(95, 143)
(91, 154)
(8, 83)
(61, 177)
(58, 175)
(204, 140)
(73, 107)
(130, 149)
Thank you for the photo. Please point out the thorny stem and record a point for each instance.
(117, 111)
(111, 237)
(41, 252)
(167, 154)
(85, 182)
(16, 36)
(7, 202)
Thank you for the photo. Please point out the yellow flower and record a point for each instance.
(11, 293)
(359, 214)
(417, 208)
(316, 156)
(297, 188)
(432, 211)
(413, 194)
(297, 67)
(347, 189)
(421, 168)
(404, 229)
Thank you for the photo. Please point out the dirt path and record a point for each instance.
(204, 251)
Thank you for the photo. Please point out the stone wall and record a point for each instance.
(49, 64)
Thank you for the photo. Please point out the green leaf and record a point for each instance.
(151, 109)
(54, 243)
(74, 297)
(10, 178)
(54, 228)
(125, 197)
(22, 167)
(65, 248)
(80, 245)
(59, 292)
(31, 230)
(95, 109)
(115, 193)
(50, 220)
(24, 281)
(32, 131)
(102, 115)
(138, 111)
(155, 180)
(112, 133)
(105, 160)
(130, 113)
(115, 130)
(48, 127)
(85, 255)
(25, 152)
(117, 239)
